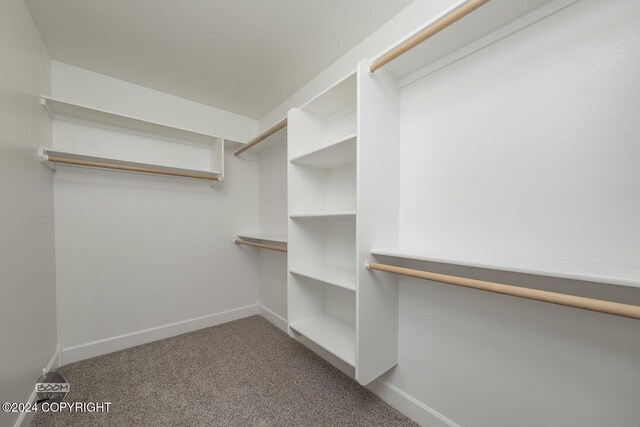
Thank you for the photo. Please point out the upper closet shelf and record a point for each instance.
(337, 153)
(279, 238)
(336, 99)
(462, 37)
(57, 157)
(320, 215)
(62, 109)
(623, 275)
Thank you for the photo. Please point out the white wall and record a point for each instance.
(528, 145)
(273, 220)
(138, 252)
(27, 265)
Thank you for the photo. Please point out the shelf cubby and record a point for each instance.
(324, 179)
(325, 315)
(329, 118)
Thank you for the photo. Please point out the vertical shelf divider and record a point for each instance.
(378, 220)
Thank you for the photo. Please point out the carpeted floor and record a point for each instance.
(243, 373)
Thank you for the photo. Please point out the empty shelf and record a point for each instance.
(60, 109)
(338, 97)
(623, 275)
(337, 276)
(337, 153)
(54, 158)
(343, 214)
(469, 31)
(280, 238)
(334, 335)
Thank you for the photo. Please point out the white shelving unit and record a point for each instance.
(333, 204)
(322, 210)
(85, 115)
(600, 273)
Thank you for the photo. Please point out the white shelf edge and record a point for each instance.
(45, 152)
(315, 274)
(343, 214)
(308, 328)
(264, 236)
(325, 147)
(569, 273)
(329, 89)
(110, 118)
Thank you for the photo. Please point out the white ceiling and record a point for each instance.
(243, 56)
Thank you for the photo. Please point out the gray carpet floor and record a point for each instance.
(242, 373)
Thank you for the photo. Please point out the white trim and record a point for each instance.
(409, 405)
(25, 418)
(132, 339)
(273, 317)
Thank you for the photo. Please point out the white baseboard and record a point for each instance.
(25, 418)
(273, 317)
(409, 405)
(132, 339)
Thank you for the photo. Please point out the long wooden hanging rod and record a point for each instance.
(427, 32)
(102, 165)
(601, 306)
(264, 135)
(259, 245)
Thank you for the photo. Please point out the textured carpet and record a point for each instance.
(242, 373)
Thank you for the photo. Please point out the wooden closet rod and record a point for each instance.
(56, 159)
(259, 245)
(427, 32)
(601, 306)
(264, 135)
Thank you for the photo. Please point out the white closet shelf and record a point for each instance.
(271, 237)
(622, 275)
(488, 18)
(337, 153)
(337, 276)
(335, 335)
(343, 214)
(338, 97)
(48, 155)
(62, 109)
